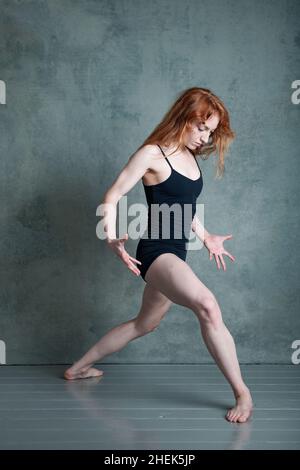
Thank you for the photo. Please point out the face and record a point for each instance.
(200, 133)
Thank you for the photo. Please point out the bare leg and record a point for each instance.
(154, 306)
(177, 281)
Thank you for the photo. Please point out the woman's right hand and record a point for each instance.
(117, 246)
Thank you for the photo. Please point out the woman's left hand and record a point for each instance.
(214, 244)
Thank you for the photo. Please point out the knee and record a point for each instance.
(208, 311)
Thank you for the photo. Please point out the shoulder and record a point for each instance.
(147, 154)
(149, 150)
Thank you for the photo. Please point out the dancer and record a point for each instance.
(196, 124)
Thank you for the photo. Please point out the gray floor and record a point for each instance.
(146, 407)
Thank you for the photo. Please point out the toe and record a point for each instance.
(242, 419)
(230, 412)
(245, 416)
(68, 375)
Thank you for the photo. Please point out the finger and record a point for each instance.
(133, 268)
(223, 262)
(210, 255)
(124, 256)
(136, 260)
(229, 255)
(217, 261)
(227, 237)
(135, 271)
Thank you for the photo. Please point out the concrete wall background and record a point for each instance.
(87, 81)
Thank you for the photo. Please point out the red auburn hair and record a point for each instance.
(195, 105)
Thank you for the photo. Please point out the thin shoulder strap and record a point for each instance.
(166, 158)
(161, 150)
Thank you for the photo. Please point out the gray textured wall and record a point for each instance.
(87, 81)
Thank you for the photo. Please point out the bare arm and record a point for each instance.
(133, 171)
(199, 229)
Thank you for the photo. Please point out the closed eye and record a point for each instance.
(202, 130)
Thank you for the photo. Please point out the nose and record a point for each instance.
(205, 137)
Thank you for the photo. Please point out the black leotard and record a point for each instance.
(179, 189)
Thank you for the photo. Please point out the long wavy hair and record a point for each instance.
(195, 105)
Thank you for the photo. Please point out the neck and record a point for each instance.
(171, 149)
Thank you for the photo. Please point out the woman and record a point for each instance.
(196, 124)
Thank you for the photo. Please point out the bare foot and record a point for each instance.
(241, 412)
(72, 374)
